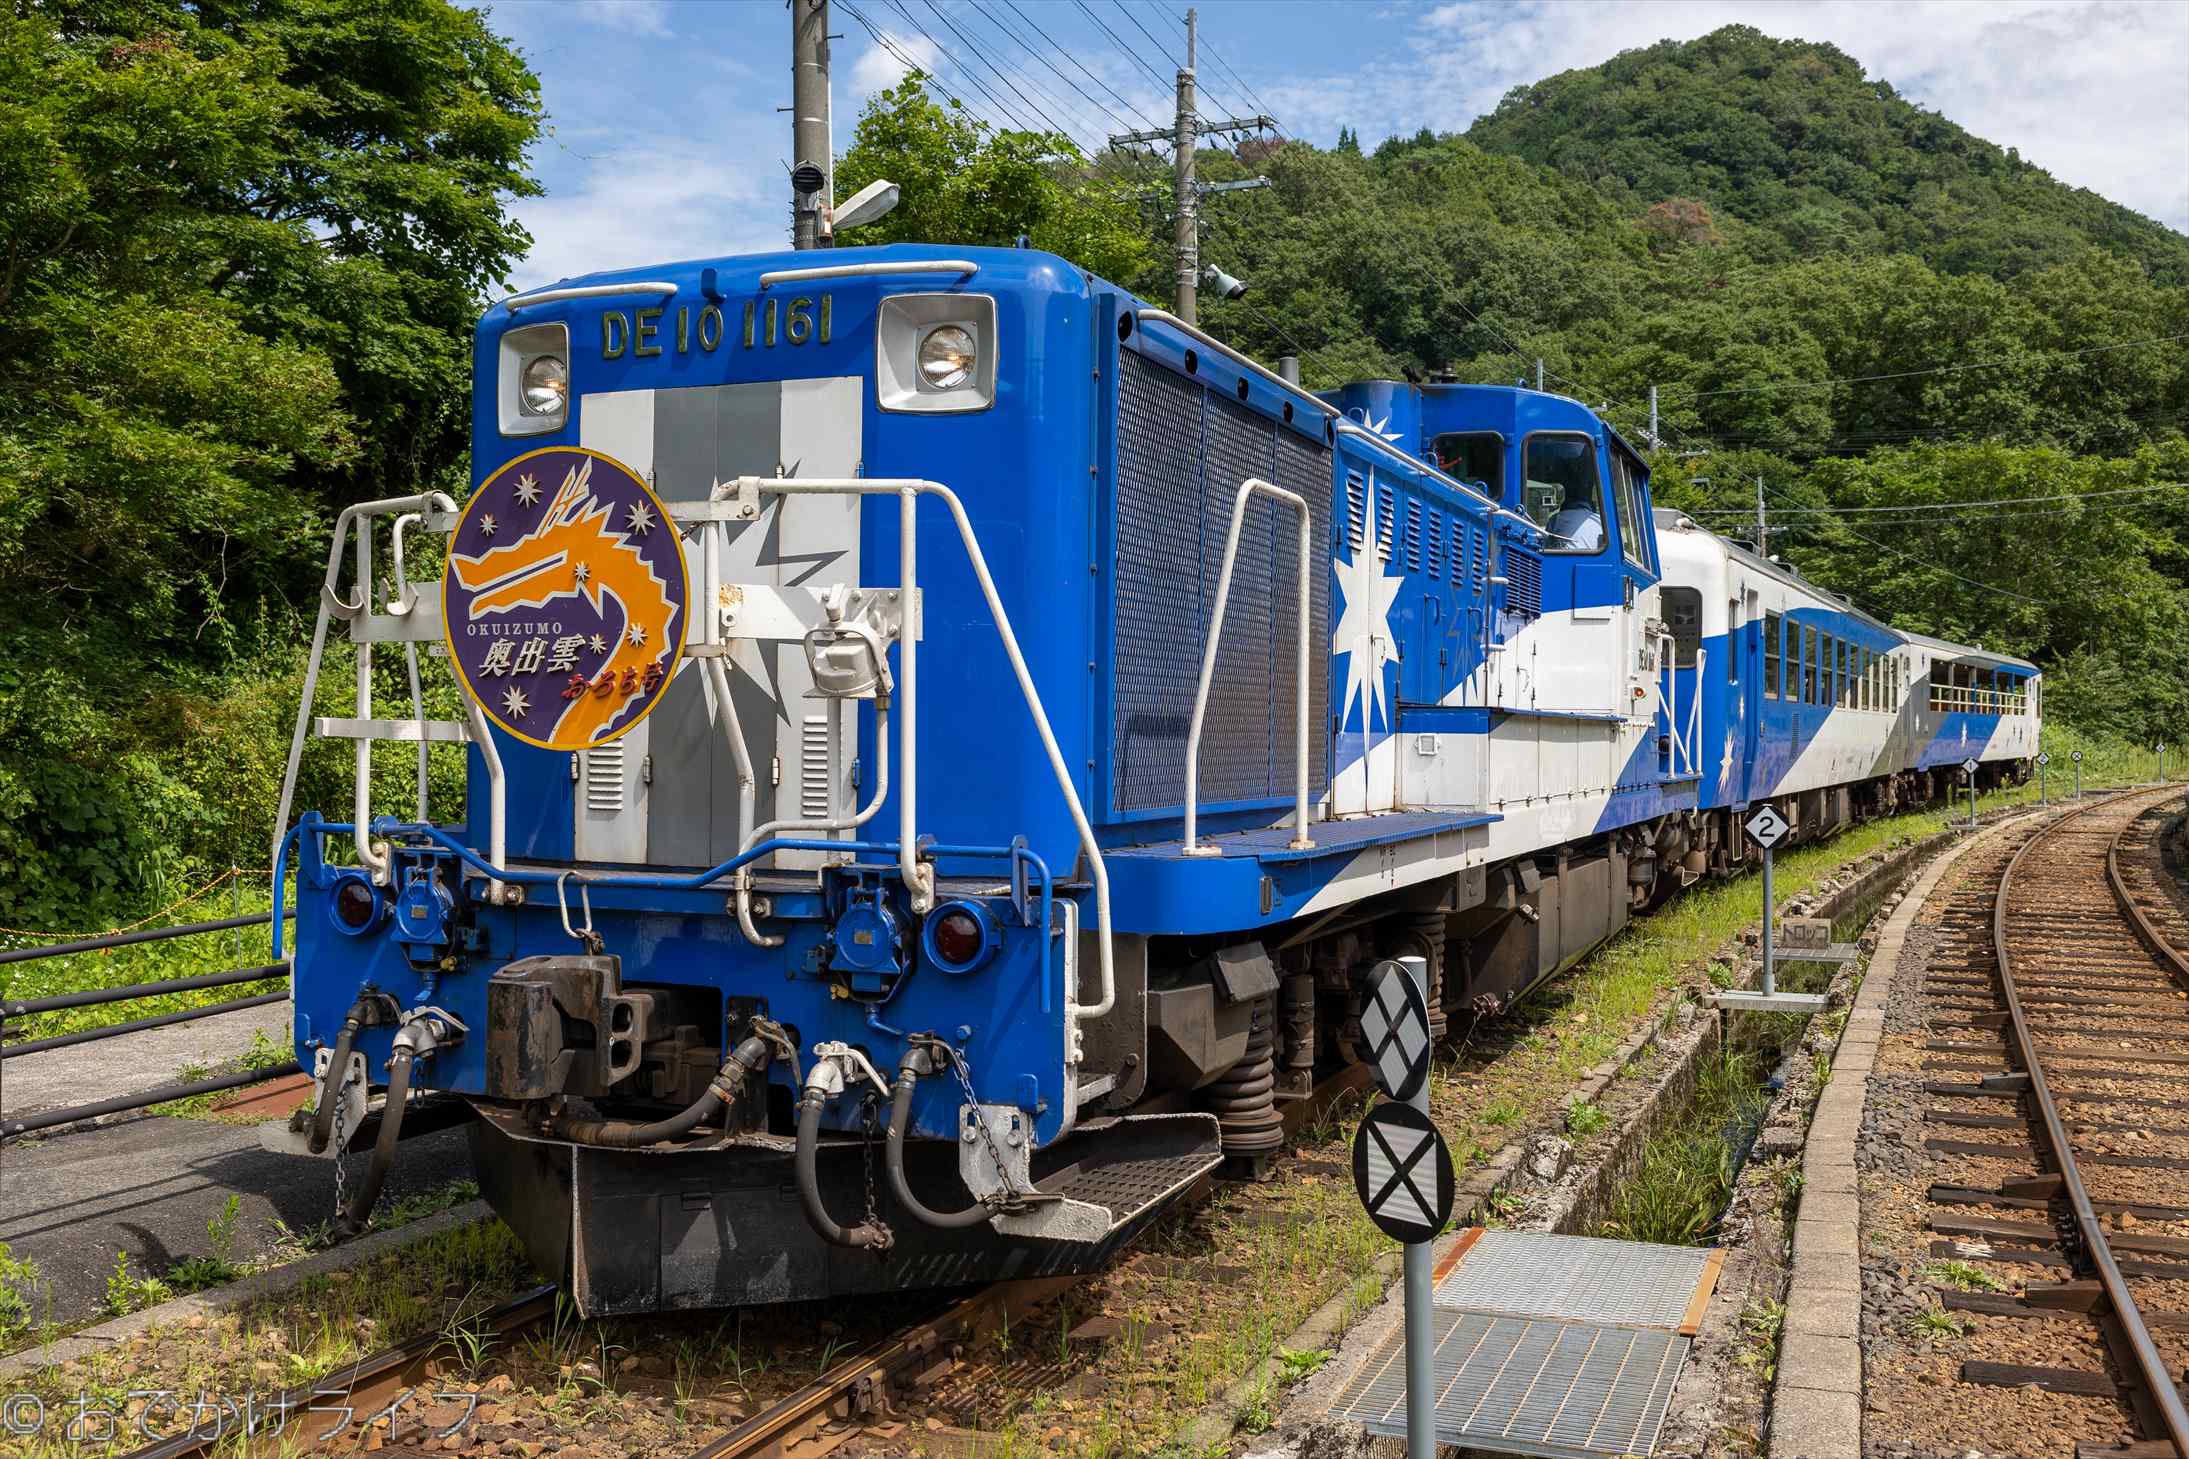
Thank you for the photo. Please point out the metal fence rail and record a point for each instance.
(21, 1008)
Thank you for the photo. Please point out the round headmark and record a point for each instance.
(564, 598)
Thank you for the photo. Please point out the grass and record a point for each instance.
(1936, 1323)
(1687, 1173)
(1963, 1277)
(144, 962)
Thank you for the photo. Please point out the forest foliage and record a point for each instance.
(243, 244)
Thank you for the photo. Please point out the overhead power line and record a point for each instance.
(1997, 501)
(910, 62)
(1091, 76)
(1160, 48)
(1949, 572)
(1131, 55)
(1259, 104)
(997, 71)
(2102, 349)
(988, 14)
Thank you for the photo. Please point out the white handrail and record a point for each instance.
(1251, 487)
(661, 287)
(908, 491)
(1209, 341)
(964, 268)
(333, 605)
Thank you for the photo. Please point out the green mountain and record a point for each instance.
(1792, 139)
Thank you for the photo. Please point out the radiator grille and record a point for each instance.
(1181, 455)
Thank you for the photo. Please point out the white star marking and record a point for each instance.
(584, 573)
(1378, 426)
(486, 524)
(1363, 633)
(528, 490)
(514, 704)
(597, 644)
(641, 519)
(638, 634)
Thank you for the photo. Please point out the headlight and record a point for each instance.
(546, 386)
(948, 357)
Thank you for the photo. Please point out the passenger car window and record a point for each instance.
(1477, 456)
(1564, 492)
(1772, 658)
(1809, 664)
(1684, 616)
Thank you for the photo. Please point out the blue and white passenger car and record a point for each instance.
(984, 818)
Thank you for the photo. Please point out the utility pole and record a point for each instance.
(1184, 136)
(811, 165)
(1763, 533)
(1653, 442)
(1185, 139)
(1539, 375)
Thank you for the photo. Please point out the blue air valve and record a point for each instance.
(868, 942)
(355, 907)
(422, 912)
(960, 937)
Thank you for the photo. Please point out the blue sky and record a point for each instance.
(665, 140)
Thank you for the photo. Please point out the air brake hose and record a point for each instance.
(900, 1117)
(866, 1233)
(359, 1214)
(338, 1073)
(750, 1057)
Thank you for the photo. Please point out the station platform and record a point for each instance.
(1567, 1347)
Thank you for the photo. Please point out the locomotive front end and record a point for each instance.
(767, 941)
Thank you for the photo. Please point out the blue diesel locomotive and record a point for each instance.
(947, 740)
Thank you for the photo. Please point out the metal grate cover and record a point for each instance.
(1523, 1385)
(1577, 1278)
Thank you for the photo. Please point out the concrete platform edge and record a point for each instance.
(258, 1285)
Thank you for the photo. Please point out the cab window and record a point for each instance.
(1476, 456)
(1563, 492)
(1634, 537)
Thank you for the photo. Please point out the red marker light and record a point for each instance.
(355, 905)
(958, 938)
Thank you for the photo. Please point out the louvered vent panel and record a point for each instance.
(604, 778)
(1524, 572)
(1386, 509)
(1479, 559)
(813, 768)
(1436, 543)
(1413, 535)
(1356, 511)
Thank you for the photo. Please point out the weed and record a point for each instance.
(196, 1273)
(1761, 1324)
(1585, 1119)
(20, 1284)
(1821, 1067)
(126, 1292)
(1502, 1111)
(1963, 1277)
(1298, 1364)
(1937, 1322)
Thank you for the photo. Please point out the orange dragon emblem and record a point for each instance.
(565, 610)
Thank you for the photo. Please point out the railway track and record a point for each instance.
(850, 1396)
(2074, 975)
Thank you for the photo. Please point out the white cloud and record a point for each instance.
(656, 200)
(2091, 91)
(633, 17)
(878, 68)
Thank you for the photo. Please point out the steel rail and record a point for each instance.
(2156, 1397)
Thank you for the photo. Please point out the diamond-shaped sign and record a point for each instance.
(1767, 827)
(1968, 766)
(1403, 1173)
(1395, 1029)
(2043, 758)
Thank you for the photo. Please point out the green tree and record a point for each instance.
(241, 249)
(963, 181)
